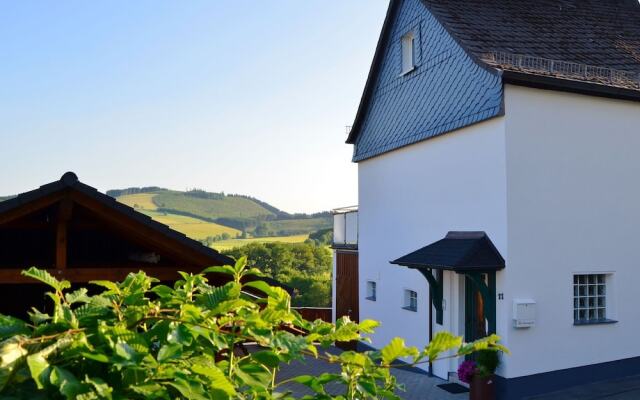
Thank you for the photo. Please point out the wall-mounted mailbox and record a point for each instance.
(524, 313)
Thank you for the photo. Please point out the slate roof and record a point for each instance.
(583, 46)
(70, 181)
(597, 33)
(458, 251)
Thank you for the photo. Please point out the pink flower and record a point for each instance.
(466, 370)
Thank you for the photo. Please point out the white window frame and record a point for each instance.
(408, 52)
(592, 298)
(410, 300)
(372, 290)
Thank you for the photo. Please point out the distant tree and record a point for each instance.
(261, 230)
(303, 266)
(323, 237)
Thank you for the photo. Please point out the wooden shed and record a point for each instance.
(80, 234)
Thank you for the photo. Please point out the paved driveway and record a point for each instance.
(615, 389)
(419, 386)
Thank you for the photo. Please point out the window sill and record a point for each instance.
(595, 322)
(407, 72)
(413, 309)
(370, 298)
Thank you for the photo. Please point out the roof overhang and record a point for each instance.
(569, 85)
(462, 252)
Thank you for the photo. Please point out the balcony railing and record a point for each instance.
(345, 227)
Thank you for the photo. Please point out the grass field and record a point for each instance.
(227, 207)
(140, 200)
(307, 224)
(192, 227)
(231, 243)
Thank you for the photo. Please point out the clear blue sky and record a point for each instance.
(239, 96)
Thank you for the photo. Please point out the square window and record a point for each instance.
(408, 52)
(371, 290)
(410, 300)
(589, 298)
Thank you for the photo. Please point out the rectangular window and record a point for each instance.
(371, 290)
(408, 52)
(410, 300)
(590, 299)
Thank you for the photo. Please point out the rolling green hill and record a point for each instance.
(210, 208)
(211, 214)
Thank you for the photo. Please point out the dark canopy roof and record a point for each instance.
(458, 251)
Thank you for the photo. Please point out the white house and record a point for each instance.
(498, 150)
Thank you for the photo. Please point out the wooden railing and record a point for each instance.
(313, 313)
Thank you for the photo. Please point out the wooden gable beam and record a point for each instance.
(143, 234)
(65, 209)
(30, 207)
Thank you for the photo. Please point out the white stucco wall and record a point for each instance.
(411, 197)
(573, 189)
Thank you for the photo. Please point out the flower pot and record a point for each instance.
(482, 388)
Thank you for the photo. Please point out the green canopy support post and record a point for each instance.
(435, 286)
(488, 292)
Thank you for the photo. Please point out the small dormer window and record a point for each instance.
(408, 52)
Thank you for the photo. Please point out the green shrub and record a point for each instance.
(487, 362)
(139, 339)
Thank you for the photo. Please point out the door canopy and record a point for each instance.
(458, 251)
(469, 253)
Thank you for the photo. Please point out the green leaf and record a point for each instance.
(169, 351)
(125, 351)
(162, 291)
(442, 342)
(217, 295)
(38, 364)
(368, 325)
(486, 343)
(39, 368)
(254, 375)
(311, 382)
(216, 377)
(150, 391)
(101, 387)
(99, 357)
(189, 389)
(46, 278)
(267, 358)
(110, 286)
(12, 355)
(38, 317)
(10, 326)
(78, 296)
(225, 269)
(66, 382)
(396, 349)
(262, 286)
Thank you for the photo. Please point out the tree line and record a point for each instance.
(304, 267)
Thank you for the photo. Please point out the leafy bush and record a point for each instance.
(487, 362)
(142, 340)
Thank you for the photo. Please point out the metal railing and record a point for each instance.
(563, 69)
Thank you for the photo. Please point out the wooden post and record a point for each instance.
(62, 230)
(435, 291)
